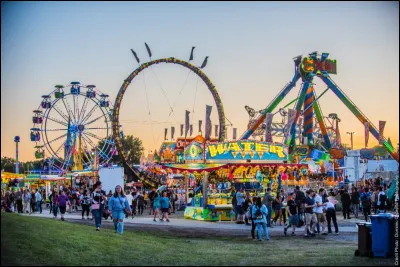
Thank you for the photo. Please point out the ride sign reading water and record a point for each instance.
(246, 150)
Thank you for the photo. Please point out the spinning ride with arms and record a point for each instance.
(307, 68)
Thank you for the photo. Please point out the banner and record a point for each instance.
(268, 127)
(208, 122)
(165, 133)
(366, 133)
(172, 132)
(234, 133)
(200, 123)
(181, 130)
(191, 130)
(243, 150)
(216, 130)
(187, 112)
(381, 127)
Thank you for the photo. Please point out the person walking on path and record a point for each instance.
(152, 195)
(38, 198)
(292, 212)
(331, 214)
(85, 203)
(366, 203)
(259, 212)
(117, 205)
(62, 203)
(55, 203)
(310, 217)
(26, 201)
(277, 205)
(267, 201)
(346, 200)
(164, 203)
(156, 205)
(18, 197)
(355, 201)
(98, 198)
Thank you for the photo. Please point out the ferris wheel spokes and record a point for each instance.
(89, 114)
(55, 120)
(94, 120)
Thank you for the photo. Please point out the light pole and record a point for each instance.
(351, 138)
(16, 140)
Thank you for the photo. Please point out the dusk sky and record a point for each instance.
(250, 47)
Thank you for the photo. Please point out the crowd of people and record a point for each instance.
(313, 210)
(95, 203)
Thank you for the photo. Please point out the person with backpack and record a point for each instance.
(382, 201)
(366, 203)
(259, 212)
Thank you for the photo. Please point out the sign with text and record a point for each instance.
(243, 150)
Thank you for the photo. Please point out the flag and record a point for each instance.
(200, 123)
(186, 122)
(172, 132)
(381, 128)
(366, 133)
(268, 127)
(165, 133)
(291, 117)
(338, 138)
(234, 133)
(181, 129)
(216, 130)
(191, 129)
(208, 122)
(191, 53)
(148, 49)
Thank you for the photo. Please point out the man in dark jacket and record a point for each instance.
(346, 200)
(300, 199)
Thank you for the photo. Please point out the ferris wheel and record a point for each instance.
(72, 127)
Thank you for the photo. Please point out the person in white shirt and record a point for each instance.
(129, 197)
(331, 214)
(318, 209)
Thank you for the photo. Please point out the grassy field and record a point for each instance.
(38, 241)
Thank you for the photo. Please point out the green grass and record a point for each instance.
(38, 241)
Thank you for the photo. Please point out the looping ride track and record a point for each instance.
(150, 181)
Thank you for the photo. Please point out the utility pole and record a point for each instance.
(351, 138)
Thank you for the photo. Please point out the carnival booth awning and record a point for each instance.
(10, 175)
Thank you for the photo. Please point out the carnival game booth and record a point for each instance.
(251, 165)
(9, 178)
(82, 179)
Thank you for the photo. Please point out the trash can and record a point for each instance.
(364, 239)
(382, 234)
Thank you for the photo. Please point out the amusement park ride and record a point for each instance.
(307, 105)
(76, 139)
(74, 128)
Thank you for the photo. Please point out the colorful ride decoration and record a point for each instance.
(306, 68)
(73, 128)
(141, 68)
